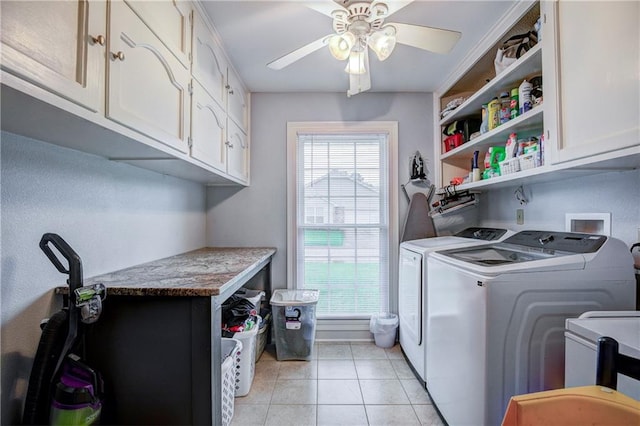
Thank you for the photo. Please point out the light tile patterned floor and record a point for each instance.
(345, 384)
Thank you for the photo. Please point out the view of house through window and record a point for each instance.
(342, 221)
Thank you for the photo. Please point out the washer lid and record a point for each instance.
(465, 238)
(495, 255)
(626, 330)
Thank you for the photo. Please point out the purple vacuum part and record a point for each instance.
(75, 390)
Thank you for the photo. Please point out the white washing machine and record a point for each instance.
(496, 313)
(581, 346)
(412, 284)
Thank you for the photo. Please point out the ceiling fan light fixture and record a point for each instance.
(340, 45)
(357, 62)
(383, 42)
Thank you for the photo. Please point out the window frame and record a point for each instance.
(390, 128)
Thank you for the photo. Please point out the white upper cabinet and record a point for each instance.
(169, 21)
(58, 46)
(147, 85)
(237, 152)
(592, 77)
(209, 65)
(208, 125)
(136, 81)
(238, 101)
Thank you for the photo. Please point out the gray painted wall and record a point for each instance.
(257, 215)
(113, 215)
(617, 193)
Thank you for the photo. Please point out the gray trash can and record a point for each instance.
(384, 326)
(294, 323)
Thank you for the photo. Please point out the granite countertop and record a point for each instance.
(203, 272)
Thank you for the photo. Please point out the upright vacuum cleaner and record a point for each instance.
(63, 390)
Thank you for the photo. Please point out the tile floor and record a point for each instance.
(344, 384)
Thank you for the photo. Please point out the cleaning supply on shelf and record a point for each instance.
(514, 103)
(524, 97)
(511, 147)
(475, 171)
(484, 126)
(494, 113)
(494, 156)
(505, 107)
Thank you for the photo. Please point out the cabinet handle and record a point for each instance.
(98, 40)
(119, 55)
(229, 144)
(231, 91)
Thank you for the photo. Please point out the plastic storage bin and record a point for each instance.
(231, 350)
(384, 326)
(294, 323)
(247, 363)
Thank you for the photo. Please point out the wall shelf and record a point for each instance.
(530, 63)
(530, 121)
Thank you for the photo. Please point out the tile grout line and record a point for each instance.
(315, 373)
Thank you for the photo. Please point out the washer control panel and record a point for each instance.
(571, 242)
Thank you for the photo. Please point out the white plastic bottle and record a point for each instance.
(524, 97)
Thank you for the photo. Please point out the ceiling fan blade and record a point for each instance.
(395, 5)
(359, 83)
(427, 38)
(300, 53)
(326, 7)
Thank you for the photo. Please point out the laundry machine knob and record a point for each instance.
(545, 239)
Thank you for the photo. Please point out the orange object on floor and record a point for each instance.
(585, 405)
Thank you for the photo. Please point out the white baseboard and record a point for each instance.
(343, 330)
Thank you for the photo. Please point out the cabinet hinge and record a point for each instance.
(544, 18)
(190, 57)
(190, 88)
(189, 142)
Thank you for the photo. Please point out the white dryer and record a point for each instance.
(496, 313)
(412, 284)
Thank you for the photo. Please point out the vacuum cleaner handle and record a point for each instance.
(75, 264)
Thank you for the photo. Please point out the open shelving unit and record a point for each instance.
(478, 83)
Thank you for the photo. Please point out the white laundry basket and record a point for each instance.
(247, 364)
(253, 296)
(231, 350)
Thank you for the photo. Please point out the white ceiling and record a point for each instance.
(255, 33)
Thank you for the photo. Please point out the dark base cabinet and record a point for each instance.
(159, 356)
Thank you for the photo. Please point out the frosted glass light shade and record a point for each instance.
(383, 42)
(340, 45)
(357, 62)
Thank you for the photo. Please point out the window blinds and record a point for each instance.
(342, 214)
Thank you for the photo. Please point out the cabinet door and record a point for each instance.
(237, 152)
(208, 134)
(147, 85)
(58, 46)
(209, 66)
(169, 21)
(592, 63)
(237, 105)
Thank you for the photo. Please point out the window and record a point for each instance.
(342, 220)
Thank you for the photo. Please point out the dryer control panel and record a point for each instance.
(570, 242)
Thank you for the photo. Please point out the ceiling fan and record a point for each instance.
(360, 24)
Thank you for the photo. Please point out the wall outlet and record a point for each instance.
(520, 216)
